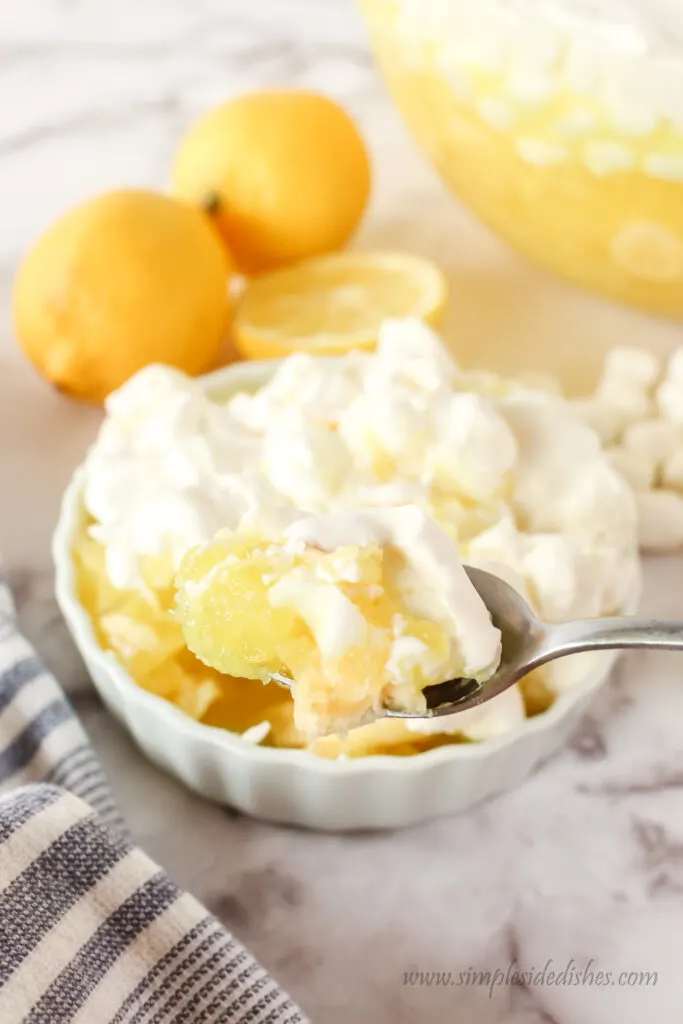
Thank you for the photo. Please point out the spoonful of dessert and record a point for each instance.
(528, 643)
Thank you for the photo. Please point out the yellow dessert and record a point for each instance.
(559, 124)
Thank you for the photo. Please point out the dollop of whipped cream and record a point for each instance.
(509, 472)
(168, 470)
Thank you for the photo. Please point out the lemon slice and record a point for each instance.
(335, 303)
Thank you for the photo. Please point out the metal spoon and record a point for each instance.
(528, 643)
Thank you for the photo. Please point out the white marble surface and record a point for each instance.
(584, 861)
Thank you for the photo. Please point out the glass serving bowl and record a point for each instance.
(560, 127)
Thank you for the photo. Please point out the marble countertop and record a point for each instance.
(582, 863)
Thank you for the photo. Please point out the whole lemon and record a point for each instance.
(126, 279)
(285, 174)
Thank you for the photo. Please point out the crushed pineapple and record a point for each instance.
(139, 627)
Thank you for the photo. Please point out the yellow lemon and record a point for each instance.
(285, 175)
(121, 281)
(335, 303)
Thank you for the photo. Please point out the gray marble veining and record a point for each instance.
(584, 863)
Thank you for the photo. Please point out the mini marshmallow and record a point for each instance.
(653, 440)
(637, 470)
(670, 399)
(674, 368)
(599, 506)
(550, 569)
(660, 521)
(672, 471)
(499, 543)
(605, 421)
(632, 365)
(631, 401)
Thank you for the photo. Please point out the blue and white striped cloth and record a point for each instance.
(91, 930)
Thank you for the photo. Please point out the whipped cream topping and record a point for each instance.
(168, 470)
(510, 473)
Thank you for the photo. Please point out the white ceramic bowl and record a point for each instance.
(293, 786)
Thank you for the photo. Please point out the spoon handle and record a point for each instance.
(611, 634)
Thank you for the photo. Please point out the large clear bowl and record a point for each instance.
(560, 127)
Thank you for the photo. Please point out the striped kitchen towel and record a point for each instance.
(91, 930)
